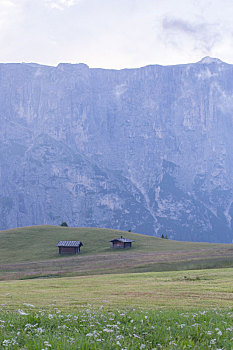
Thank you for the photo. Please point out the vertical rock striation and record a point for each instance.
(147, 149)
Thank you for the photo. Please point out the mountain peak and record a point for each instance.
(209, 60)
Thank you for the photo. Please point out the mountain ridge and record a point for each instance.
(204, 60)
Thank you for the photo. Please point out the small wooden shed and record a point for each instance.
(121, 242)
(69, 247)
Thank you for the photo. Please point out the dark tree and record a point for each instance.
(162, 235)
(64, 224)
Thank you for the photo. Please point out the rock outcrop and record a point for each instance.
(148, 149)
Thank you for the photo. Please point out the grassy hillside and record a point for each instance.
(32, 252)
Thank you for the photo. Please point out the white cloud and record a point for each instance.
(8, 17)
(60, 4)
(7, 3)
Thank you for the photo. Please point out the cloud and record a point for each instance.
(8, 14)
(60, 4)
(115, 33)
(204, 36)
(178, 25)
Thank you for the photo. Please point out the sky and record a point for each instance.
(115, 33)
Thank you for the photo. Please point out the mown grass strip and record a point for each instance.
(182, 289)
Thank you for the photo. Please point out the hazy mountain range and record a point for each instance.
(148, 149)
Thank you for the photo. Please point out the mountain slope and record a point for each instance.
(146, 149)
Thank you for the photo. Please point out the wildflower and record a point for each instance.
(9, 342)
(173, 343)
(29, 305)
(46, 343)
(182, 325)
(39, 330)
(119, 337)
(21, 312)
(107, 330)
(142, 346)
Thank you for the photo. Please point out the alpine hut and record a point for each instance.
(69, 247)
(121, 242)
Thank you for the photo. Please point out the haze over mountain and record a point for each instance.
(147, 149)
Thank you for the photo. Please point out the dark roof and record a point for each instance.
(124, 240)
(69, 244)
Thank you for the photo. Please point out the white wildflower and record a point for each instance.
(46, 343)
(21, 312)
(182, 325)
(9, 342)
(120, 336)
(29, 305)
(39, 330)
(136, 336)
(107, 330)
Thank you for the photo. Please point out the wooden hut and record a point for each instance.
(121, 242)
(69, 247)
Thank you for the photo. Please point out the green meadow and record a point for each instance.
(151, 290)
(160, 294)
(121, 329)
(36, 243)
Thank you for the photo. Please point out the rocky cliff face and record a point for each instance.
(147, 149)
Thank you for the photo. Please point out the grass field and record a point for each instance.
(109, 304)
(164, 310)
(125, 330)
(154, 290)
(31, 252)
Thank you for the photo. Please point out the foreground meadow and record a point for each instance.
(164, 310)
(99, 329)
